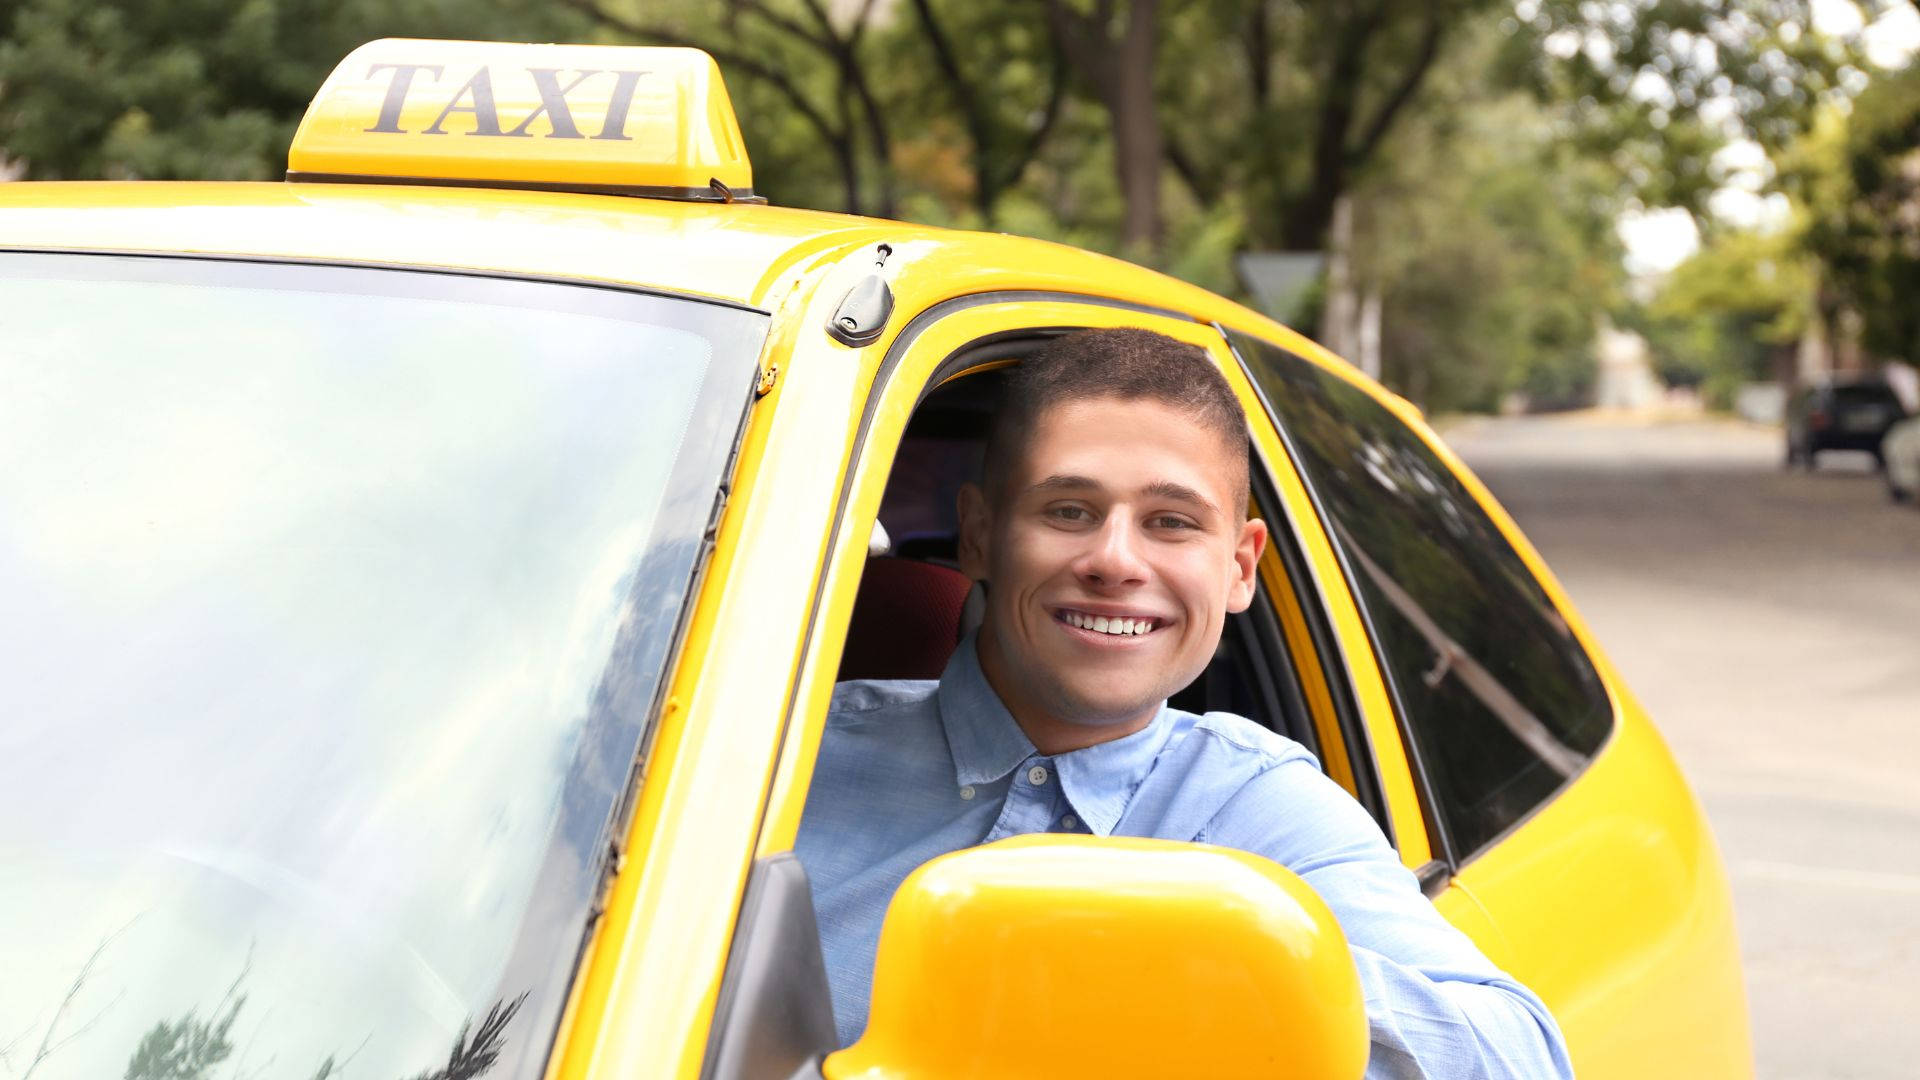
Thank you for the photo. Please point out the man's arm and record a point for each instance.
(1436, 1007)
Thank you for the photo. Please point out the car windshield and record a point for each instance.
(336, 601)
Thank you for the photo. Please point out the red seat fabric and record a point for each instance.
(906, 620)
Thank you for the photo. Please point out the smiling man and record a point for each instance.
(1111, 536)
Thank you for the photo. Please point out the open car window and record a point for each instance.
(941, 450)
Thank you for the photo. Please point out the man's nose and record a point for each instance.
(1114, 556)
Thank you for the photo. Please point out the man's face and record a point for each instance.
(1119, 514)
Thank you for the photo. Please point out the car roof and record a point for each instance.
(736, 252)
(716, 250)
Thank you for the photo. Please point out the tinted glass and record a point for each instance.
(1500, 702)
(334, 605)
(1865, 395)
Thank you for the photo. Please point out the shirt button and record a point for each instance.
(1037, 775)
(967, 792)
(1070, 823)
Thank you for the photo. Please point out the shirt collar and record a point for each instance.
(985, 740)
(1100, 779)
(987, 744)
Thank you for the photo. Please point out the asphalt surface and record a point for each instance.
(1770, 622)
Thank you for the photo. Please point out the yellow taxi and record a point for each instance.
(425, 580)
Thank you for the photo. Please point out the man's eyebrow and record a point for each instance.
(1167, 489)
(1159, 489)
(1066, 482)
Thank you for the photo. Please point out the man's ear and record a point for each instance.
(976, 527)
(1246, 563)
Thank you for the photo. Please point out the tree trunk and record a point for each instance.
(1121, 72)
(1136, 131)
(1337, 152)
(1339, 317)
(1367, 338)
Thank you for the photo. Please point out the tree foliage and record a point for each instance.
(1286, 104)
(1862, 204)
(1658, 88)
(1493, 245)
(1845, 268)
(1730, 314)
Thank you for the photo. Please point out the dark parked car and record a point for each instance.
(1840, 416)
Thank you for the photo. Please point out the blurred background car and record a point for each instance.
(1840, 415)
(1900, 456)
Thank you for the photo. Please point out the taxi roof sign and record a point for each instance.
(613, 119)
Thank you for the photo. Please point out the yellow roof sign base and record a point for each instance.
(615, 119)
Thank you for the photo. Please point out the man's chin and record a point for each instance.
(1107, 710)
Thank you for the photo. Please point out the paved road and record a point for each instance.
(1770, 622)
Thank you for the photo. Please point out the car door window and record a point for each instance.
(913, 606)
(1500, 703)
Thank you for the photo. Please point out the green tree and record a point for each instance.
(1493, 245)
(1864, 214)
(932, 112)
(1285, 104)
(1731, 313)
(1659, 87)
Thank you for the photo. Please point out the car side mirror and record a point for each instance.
(1061, 957)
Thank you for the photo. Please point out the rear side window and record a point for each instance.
(1864, 395)
(1500, 704)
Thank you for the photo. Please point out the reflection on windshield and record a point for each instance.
(335, 604)
(193, 1046)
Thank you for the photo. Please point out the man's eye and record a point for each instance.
(1069, 513)
(1168, 521)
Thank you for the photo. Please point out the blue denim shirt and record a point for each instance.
(911, 770)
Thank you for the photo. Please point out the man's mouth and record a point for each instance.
(1115, 625)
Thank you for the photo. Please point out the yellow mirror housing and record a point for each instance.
(630, 120)
(1063, 957)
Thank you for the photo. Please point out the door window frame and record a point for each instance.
(968, 334)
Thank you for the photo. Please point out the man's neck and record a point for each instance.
(1049, 734)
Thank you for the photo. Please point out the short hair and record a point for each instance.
(1127, 363)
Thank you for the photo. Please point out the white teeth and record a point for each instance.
(1103, 624)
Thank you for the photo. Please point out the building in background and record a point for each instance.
(1625, 378)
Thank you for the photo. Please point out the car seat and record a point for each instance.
(907, 618)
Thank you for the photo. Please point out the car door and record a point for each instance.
(1546, 798)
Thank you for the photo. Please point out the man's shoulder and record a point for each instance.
(869, 701)
(1237, 736)
(879, 734)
